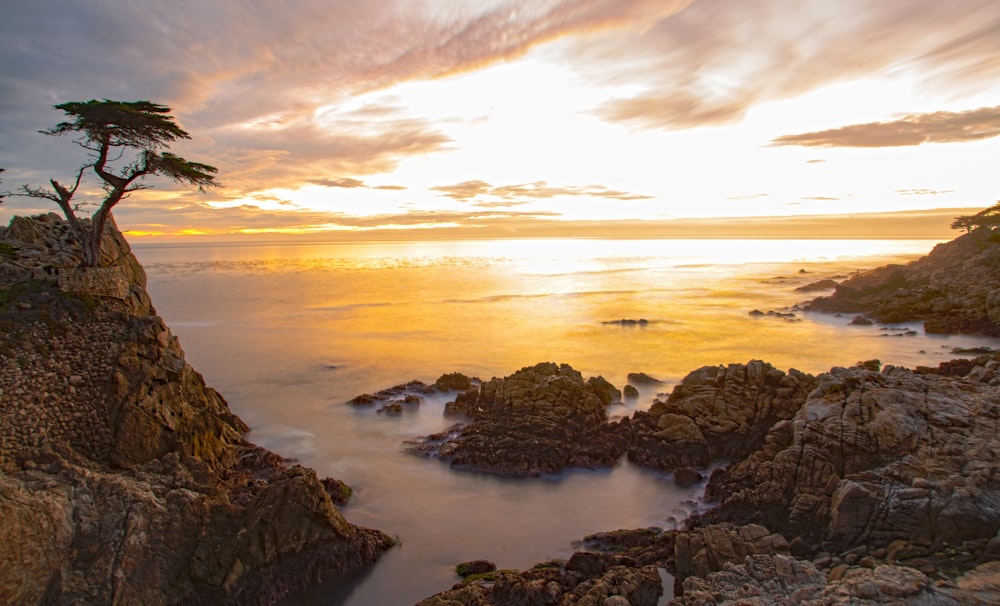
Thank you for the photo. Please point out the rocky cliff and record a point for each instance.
(954, 289)
(124, 479)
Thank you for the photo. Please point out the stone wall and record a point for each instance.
(97, 281)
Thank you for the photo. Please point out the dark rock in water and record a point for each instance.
(954, 289)
(685, 477)
(605, 391)
(641, 378)
(365, 399)
(860, 321)
(630, 392)
(972, 350)
(467, 569)
(541, 419)
(454, 381)
(819, 285)
(411, 393)
(629, 322)
(392, 409)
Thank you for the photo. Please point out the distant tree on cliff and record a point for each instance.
(987, 219)
(124, 142)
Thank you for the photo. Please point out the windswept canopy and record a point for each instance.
(138, 124)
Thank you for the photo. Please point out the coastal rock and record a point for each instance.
(598, 584)
(953, 289)
(413, 392)
(124, 479)
(641, 378)
(700, 551)
(756, 579)
(466, 569)
(873, 457)
(541, 419)
(716, 412)
(826, 284)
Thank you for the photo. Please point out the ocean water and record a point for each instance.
(289, 332)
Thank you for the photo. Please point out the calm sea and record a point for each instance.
(290, 332)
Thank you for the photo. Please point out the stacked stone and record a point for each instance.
(51, 388)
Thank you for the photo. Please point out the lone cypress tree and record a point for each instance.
(132, 135)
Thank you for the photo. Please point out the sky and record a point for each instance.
(343, 119)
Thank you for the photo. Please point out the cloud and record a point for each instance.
(924, 192)
(820, 198)
(270, 69)
(749, 197)
(913, 129)
(710, 63)
(511, 195)
(346, 183)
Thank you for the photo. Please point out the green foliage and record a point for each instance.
(985, 219)
(124, 140)
(137, 124)
(6, 250)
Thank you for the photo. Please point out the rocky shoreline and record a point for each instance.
(124, 479)
(954, 289)
(868, 484)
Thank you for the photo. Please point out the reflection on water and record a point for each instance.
(290, 332)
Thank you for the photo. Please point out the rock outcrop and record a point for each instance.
(586, 579)
(541, 419)
(954, 289)
(124, 479)
(716, 412)
(861, 485)
(873, 457)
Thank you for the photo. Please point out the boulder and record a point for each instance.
(541, 419)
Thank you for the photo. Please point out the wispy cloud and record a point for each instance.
(539, 190)
(914, 129)
(709, 64)
(924, 192)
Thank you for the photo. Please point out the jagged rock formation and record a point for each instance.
(124, 479)
(954, 289)
(872, 457)
(716, 412)
(541, 419)
(861, 485)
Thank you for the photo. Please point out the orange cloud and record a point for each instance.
(511, 195)
(914, 129)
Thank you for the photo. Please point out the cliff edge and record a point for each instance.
(954, 289)
(124, 479)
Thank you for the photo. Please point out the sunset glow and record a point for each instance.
(506, 118)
